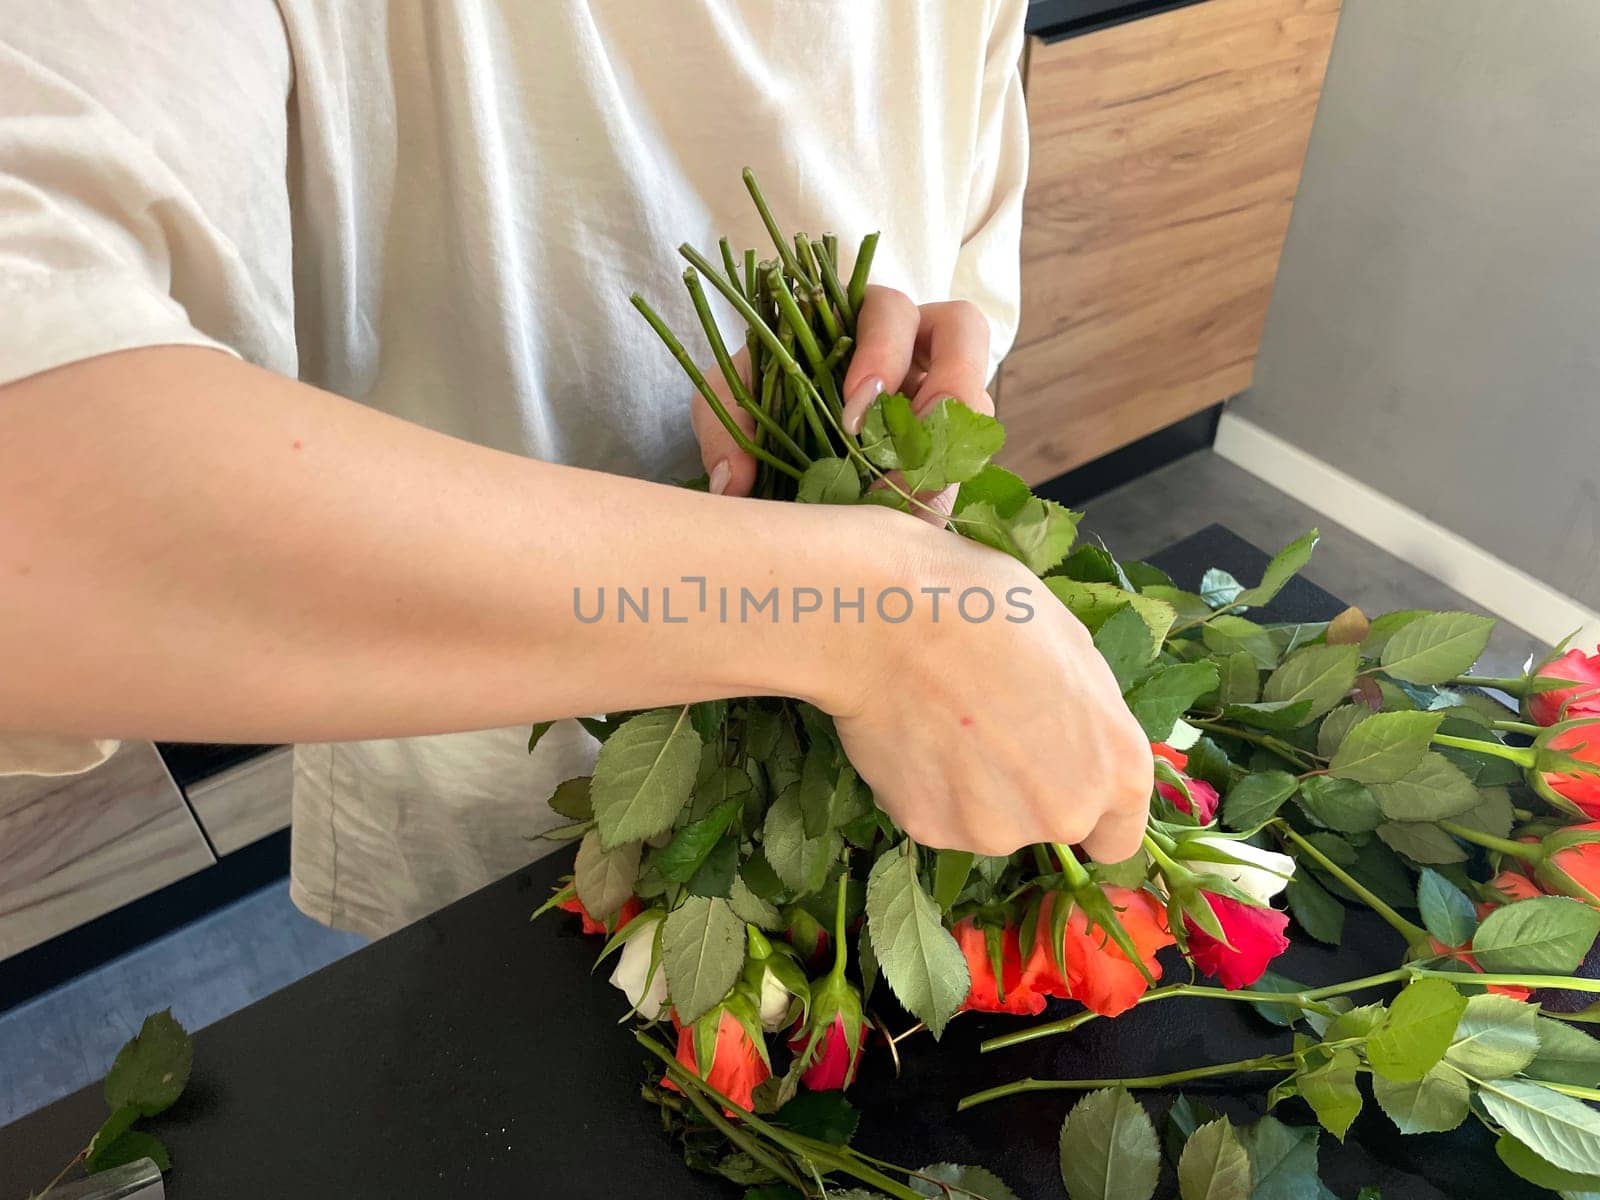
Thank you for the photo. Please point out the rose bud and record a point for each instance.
(1572, 867)
(738, 1064)
(630, 909)
(1510, 887)
(1254, 938)
(1260, 874)
(1582, 699)
(1088, 966)
(1201, 802)
(1577, 786)
(639, 972)
(831, 1040)
(989, 993)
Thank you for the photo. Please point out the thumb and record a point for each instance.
(732, 472)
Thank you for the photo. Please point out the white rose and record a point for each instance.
(633, 968)
(1260, 874)
(774, 1003)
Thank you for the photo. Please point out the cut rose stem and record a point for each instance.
(1244, 1066)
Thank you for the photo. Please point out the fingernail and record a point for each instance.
(719, 477)
(858, 401)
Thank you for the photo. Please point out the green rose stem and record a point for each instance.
(1244, 1066)
(1413, 935)
(1522, 756)
(1517, 850)
(1266, 741)
(708, 1099)
(841, 948)
(1517, 727)
(741, 439)
(1516, 685)
(1097, 907)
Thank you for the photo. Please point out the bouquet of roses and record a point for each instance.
(759, 905)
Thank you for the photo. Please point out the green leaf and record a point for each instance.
(571, 799)
(1385, 627)
(1285, 565)
(536, 734)
(829, 481)
(1436, 1103)
(1526, 1164)
(975, 1182)
(891, 435)
(825, 1116)
(1417, 1030)
(951, 869)
(997, 509)
(1109, 1149)
(1314, 910)
(1228, 635)
(1562, 1131)
(817, 779)
(717, 873)
(1185, 1117)
(1283, 1159)
(1280, 716)
(1436, 648)
(751, 908)
(1385, 747)
(604, 879)
(1096, 603)
(1278, 1012)
(130, 1147)
(1241, 680)
(800, 862)
(1166, 695)
(1214, 1165)
(709, 718)
(1446, 910)
(916, 953)
(1434, 790)
(1358, 1022)
(1493, 814)
(1496, 1037)
(1547, 935)
(1421, 842)
(959, 443)
(152, 1068)
(645, 775)
(1322, 675)
(1219, 589)
(1124, 642)
(1255, 799)
(702, 950)
(1332, 1092)
(1340, 804)
(114, 1126)
(1566, 1055)
(1337, 726)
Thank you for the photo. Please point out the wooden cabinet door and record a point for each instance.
(75, 847)
(1166, 155)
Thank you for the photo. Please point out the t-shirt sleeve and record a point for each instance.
(988, 269)
(143, 190)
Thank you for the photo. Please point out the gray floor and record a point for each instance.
(67, 1038)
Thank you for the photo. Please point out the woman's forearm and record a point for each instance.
(192, 548)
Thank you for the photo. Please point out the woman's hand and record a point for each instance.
(991, 735)
(928, 353)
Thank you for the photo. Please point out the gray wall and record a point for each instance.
(1435, 330)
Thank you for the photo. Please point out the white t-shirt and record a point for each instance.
(439, 208)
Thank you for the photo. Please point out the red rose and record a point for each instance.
(1581, 742)
(737, 1065)
(628, 912)
(1093, 969)
(1513, 885)
(985, 994)
(1582, 699)
(1254, 939)
(833, 1066)
(1204, 808)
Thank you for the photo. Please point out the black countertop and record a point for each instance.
(476, 1054)
(1057, 19)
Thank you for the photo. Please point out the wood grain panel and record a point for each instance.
(76, 847)
(1166, 155)
(247, 802)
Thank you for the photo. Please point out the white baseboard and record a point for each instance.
(1498, 587)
